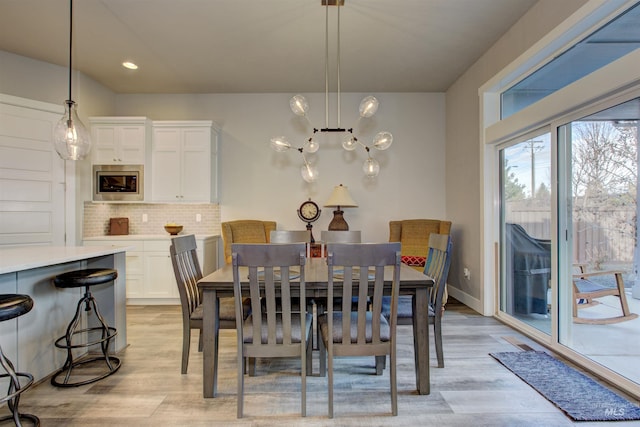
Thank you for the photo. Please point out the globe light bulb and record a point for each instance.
(309, 173)
(371, 167)
(383, 140)
(349, 144)
(70, 138)
(368, 106)
(280, 143)
(299, 105)
(312, 146)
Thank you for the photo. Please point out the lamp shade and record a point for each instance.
(340, 197)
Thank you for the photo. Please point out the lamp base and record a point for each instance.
(338, 222)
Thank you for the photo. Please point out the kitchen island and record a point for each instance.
(29, 340)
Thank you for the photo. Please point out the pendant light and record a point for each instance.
(300, 107)
(70, 138)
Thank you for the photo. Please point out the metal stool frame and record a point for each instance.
(65, 342)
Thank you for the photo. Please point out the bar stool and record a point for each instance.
(76, 279)
(12, 306)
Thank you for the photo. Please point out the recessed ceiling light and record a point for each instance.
(130, 65)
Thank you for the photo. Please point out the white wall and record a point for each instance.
(256, 182)
(463, 173)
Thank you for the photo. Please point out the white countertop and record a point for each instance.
(166, 236)
(28, 257)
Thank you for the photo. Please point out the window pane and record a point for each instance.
(616, 39)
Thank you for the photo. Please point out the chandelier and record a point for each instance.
(300, 107)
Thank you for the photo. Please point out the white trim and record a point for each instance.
(30, 103)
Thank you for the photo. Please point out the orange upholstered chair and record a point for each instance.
(414, 236)
(245, 231)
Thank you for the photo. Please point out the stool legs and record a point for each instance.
(107, 333)
(15, 389)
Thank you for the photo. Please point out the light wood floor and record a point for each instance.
(472, 389)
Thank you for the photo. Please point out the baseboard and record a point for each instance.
(466, 299)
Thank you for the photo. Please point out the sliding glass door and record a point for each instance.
(597, 303)
(525, 230)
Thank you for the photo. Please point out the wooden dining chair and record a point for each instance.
(274, 275)
(436, 266)
(365, 331)
(187, 271)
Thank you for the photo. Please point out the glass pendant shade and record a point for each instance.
(309, 173)
(299, 105)
(70, 138)
(312, 146)
(371, 167)
(280, 143)
(383, 140)
(349, 144)
(368, 106)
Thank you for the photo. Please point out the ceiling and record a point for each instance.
(259, 46)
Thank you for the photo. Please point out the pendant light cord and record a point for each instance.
(326, 67)
(70, 44)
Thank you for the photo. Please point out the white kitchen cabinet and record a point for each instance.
(150, 277)
(120, 140)
(184, 157)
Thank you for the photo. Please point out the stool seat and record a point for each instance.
(14, 305)
(82, 278)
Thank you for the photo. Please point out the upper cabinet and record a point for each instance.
(184, 158)
(120, 140)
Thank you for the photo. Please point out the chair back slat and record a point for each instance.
(361, 268)
(437, 267)
(186, 270)
(270, 289)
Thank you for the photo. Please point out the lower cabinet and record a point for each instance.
(150, 277)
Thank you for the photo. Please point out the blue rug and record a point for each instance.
(580, 397)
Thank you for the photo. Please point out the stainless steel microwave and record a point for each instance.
(118, 183)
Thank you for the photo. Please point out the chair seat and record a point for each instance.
(296, 329)
(87, 277)
(585, 285)
(385, 332)
(227, 310)
(405, 310)
(14, 305)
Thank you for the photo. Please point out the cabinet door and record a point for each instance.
(135, 275)
(104, 145)
(160, 281)
(131, 144)
(166, 176)
(196, 165)
(118, 144)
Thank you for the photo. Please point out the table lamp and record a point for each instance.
(340, 198)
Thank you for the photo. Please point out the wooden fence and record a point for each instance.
(600, 234)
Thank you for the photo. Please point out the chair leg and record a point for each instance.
(437, 330)
(240, 391)
(322, 354)
(380, 364)
(393, 381)
(200, 341)
(330, 382)
(186, 346)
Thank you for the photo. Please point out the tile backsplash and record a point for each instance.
(96, 217)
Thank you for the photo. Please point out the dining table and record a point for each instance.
(220, 284)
